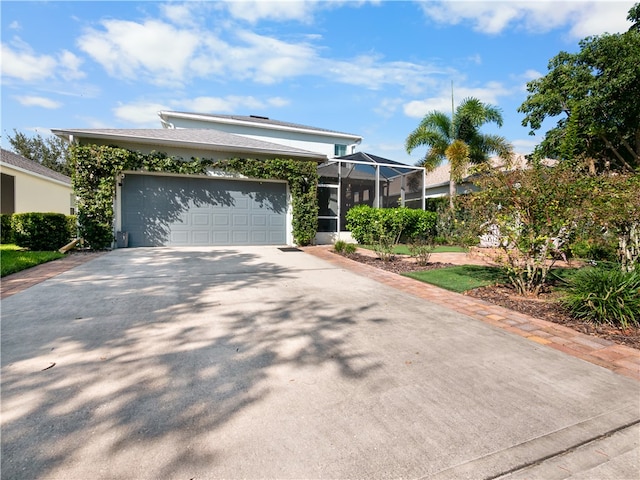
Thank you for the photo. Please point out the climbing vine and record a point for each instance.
(96, 168)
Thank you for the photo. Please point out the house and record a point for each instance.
(184, 210)
(358, 170)
(28, 186)
(329, 143)
(437, 180)
(219, 209)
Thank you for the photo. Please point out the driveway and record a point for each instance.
(261, 363)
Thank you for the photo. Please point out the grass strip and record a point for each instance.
(460, 278)
(14, 259)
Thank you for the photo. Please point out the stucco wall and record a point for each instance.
(36, 194)
(323, 144)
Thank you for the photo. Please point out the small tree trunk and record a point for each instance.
(452, 192)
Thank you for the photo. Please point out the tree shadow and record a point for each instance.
(152, 364)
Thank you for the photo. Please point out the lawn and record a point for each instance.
(461, 277)
(402, 249)
(13, 258)
(467, 277)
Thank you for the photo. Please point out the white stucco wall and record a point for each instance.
(319, 143)
(38, 194)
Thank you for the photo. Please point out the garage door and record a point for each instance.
(183, 211)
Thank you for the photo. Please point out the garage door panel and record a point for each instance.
(201, 238)
(163, 210)
(258, 220)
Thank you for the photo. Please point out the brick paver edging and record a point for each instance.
(19, 281)
(619, 358)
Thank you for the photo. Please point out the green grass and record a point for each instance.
(461, 277)
(14, 259)
(402, 249)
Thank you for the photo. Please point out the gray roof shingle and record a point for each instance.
(201, 137)
(24, 163)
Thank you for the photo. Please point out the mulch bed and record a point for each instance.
(544, 307)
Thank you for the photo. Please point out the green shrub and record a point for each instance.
(368, 225)
(592, 249)
(6, 228)
(72, 226)
(605, 295)
(344, 248)
(421, 249)
(41, 231)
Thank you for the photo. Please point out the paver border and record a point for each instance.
(605, 353)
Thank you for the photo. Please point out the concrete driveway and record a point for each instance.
(259, 363)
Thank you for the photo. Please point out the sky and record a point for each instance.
(371, 68)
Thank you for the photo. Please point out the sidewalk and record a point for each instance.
(619, 358)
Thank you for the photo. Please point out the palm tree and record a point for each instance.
(458, 139)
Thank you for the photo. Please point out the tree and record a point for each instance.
(533, 212)
(613, 206)
(458, 139)
(596, 93)
(51, 152)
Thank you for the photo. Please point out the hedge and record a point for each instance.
(368, 224)
(6, 229)
(41, 231)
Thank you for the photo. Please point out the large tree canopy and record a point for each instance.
(596, 94)
(52, 152)
(458, 139)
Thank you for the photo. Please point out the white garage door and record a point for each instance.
(184, 211)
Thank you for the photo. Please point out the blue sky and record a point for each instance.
(372, 68)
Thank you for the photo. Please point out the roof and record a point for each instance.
(23, 163)
(202, 138)
(388, 168)
(255, 120)
(440, 175)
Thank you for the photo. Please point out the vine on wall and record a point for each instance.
(95, 169)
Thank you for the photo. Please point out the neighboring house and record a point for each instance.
(184, 210)
(28, 186)
(437, 181)
(326, 142)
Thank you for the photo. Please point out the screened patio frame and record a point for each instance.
(383, 170)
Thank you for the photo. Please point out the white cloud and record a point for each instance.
(154, 49)
(34, 101)
(492, 17)
(230, 103)
(146, 113)
(254, 10)
(70, 66)
(490, 93)
(22, 63)
(524, 145)
(141, 113)
(178, 13)
(373, 73)
(15, 25)
(388, 106)
(168, 55)
(221, 105)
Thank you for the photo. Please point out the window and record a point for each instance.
(72, 204)
(8, 189)
(339, 150)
